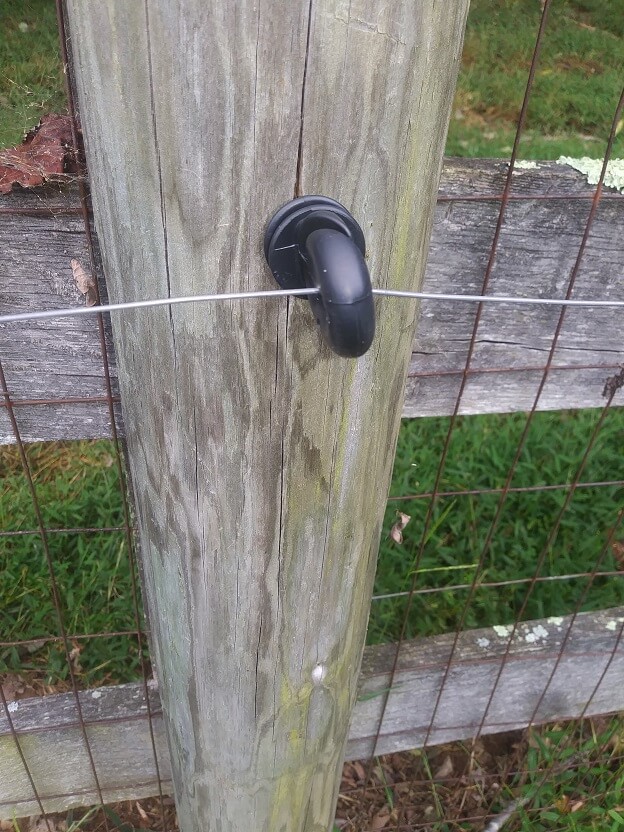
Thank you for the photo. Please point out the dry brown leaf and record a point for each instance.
(142, 812)
(617, 547)
(396, 532)
(359, 770)
(44, 155)
(85, 283)
(445, 770)
(562, 805)
(33, 646)
(13, 686)
(380, 820)
(40, 824)
(74, 656)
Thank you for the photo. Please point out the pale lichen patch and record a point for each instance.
(483, 642)
(591, 168)
(525, 164)
(538, 632)
(557, 620)
(12, 707)
(502, 630)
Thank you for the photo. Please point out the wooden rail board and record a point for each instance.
(60, 359)
(118, 729)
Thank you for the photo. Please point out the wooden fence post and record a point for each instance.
(260, 461)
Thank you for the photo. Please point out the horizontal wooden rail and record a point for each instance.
(118, 729)
(60, 360)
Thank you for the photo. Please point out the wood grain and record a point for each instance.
(119, 734)
(538, 246)
(250, 445)
(57, 359)
(52, 742)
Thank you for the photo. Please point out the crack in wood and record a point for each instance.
(298, 189)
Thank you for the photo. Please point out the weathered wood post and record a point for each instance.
(260, 460)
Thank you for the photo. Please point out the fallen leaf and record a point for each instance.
(85, 283)
(74, 657)
(396, 532)
(13, 687)
(359, 770)
(380, 820)
(40, 824)
(45, 154)
(142, 811)
(33, 646)
(565, 805)
(445, 770)
(562, 805)
(617, 547)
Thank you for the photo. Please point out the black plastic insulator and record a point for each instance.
(314, 242)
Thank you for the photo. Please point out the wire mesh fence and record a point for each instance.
(499, 582)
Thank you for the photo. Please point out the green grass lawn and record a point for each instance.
(31, 76)
(577, 84)
(77, 486)
(481, 452)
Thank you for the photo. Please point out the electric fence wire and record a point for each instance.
(76, 311)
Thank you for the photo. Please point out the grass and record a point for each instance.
(573, 777)
(31, 76)
(480, 454)
(577, 84)
(565, 776)
(77, 486)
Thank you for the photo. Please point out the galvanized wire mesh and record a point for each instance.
(485, 777)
